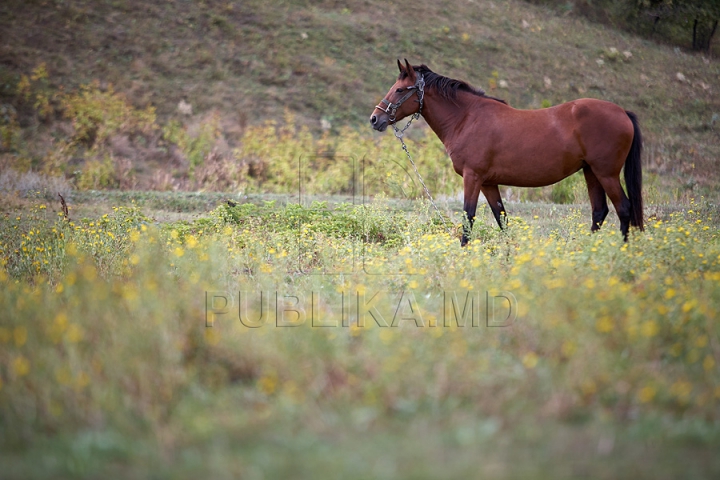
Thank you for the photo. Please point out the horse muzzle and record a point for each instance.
(378, 122)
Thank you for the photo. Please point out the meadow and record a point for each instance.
(249, 283)
(326, 338)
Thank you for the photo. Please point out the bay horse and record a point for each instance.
(491, 143)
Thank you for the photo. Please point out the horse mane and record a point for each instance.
(447, 87)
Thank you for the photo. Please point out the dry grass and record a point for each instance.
(33, 185)
(329, 63)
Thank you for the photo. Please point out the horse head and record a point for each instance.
(394, 107)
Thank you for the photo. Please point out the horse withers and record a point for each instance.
(492, 144)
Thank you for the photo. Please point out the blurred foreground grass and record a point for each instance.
(375, 350)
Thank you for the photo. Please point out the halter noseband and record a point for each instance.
(392, 108)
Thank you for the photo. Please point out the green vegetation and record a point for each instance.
(609, 369)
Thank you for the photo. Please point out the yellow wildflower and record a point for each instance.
(530, 360)
(604, 324)
(21, 366)
(268, 384)
(646, 394)
(74, 333)
(708, 363)
(20, 335)
(649, 328)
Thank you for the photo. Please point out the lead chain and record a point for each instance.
(399, 134)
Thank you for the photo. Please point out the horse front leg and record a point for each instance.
(472, 185)
(492, 194)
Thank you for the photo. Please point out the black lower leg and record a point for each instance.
(468, 224)
(499, 213)
(624, 215)
(598, 217)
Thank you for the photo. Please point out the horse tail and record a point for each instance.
(633, 175)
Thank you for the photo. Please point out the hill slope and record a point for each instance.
(333, 60)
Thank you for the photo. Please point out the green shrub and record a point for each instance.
(97, 175)
(570, 190)
(97, 114)
(194, 147)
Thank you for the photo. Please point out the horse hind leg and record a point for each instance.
(598, 200)
(621, 202)
(492, 194)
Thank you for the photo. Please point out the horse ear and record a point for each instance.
(410, 71)
(400, 66)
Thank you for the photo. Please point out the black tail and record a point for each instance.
(633, 175)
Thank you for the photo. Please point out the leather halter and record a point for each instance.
(391, 108)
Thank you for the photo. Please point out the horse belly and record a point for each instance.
(536, 167)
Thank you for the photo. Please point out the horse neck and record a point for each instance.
(445, 117)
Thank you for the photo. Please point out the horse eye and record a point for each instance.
(399, 90)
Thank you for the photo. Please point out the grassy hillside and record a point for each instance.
(244, 63)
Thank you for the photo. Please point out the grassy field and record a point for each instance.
(134, 347)
(248, 283)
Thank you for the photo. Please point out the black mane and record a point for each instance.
(447, 87)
